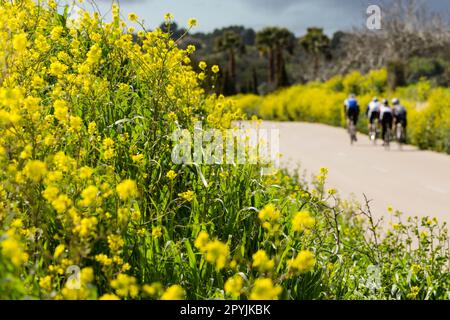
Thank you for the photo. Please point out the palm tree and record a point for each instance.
(285, 41)
(273, 41)
(230, 42)
(317, 44)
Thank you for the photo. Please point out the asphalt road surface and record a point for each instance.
(412, 181)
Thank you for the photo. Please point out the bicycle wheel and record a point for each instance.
(373, 134)
(387, 139)
(400, 135)
(352, 132)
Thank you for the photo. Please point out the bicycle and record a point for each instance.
(373, 133)
(400, 135)
(352, 131)
(387, 139)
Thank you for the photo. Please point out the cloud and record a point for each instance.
(284, 5)
(297, 15)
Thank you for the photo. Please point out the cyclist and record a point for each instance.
(351, 108)
(400, 115)
(386, 118)
(373, 112)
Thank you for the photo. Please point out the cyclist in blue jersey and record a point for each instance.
(351, 106)
(351, 109)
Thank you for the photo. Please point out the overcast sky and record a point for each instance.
(297, 15)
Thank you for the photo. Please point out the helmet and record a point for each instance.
(375, 99)
(395, 101)
(385, 102)
(352, 96)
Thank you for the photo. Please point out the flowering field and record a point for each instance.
(92, 206)
(428, 106)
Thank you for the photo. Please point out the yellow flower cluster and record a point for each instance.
(188, 195)
(127, 189)
(233, 286)
(262, 262)
(263, 289)
(302, 221)
(12, 248)
(303, 263)
(171, 175)
(174, 292)
(125, 286)
(215, 251)
(269, 217)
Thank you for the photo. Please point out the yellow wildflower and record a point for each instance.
(86, 226)
(262, 262)
(138, 158)
(202, 65)
(89, 196)
(168, 17)
(12, 249)
(415, 269)
(215, 69)
(103, 259)
(132, 17)
(175, 292)
(127, 189)
(171, 175)
(125, 286)
(109, 296)
(35, 170)
(115, 242)
(86, 172)
(188, 195)
(413, 293)
(46, 283)
(58, 250)
(61, 203)
(50, 193)
(202, 240)
(20, 42)
(302, 221)
(58, 69)
(87, 275)
(263, 289)
(75, 123)
(304, 262)
(233, 286)
(216, 253)
(192, 22)
(61, 110)
(156, 232)
(269, 217)
(152, 290)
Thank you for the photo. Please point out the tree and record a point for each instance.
(396, 74)
(231, 43)
(409, 29)
(317, 44)
(273, 41)
(173, 29)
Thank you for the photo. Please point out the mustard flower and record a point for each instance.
(174, 292)
(127, 189)
(263, 289)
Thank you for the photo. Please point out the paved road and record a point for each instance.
(415, 182)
